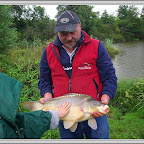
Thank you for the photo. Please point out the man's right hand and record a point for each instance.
(46, 97)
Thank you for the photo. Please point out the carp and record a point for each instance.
(82, 106)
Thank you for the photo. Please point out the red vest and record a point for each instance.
(85, 78)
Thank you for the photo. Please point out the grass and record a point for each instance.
(129, 95)
(111, 50)
(126, 117)
(129, 126)
(51, 134)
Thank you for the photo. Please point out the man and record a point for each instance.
(75, 63)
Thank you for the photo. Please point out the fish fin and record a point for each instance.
(29, 105)
(68, 124)
(92, 123)
(73, 128)
(45, 109)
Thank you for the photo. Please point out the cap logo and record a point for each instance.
(64, 20)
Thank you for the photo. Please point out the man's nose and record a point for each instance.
(68, 36)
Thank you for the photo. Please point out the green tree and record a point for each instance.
(105, 17)
(32, 23)
(117, 33)
(97, 31)
(141, 33)
(129, 23)
(142, 14)
(8, 34)
(122, 12)
(44, 27)
(108, 25)
(108, 28)
(19, 20)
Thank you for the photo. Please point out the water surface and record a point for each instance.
(130, 62)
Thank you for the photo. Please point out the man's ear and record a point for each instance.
(80, 24)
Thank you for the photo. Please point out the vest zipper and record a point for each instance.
(62, 65)
(96, 88)
(70, 84)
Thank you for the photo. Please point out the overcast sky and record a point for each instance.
(111, 9)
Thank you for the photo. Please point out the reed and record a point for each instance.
(111, 50)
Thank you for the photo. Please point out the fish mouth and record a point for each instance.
(107, 109)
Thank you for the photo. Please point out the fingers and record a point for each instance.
(97, 114)
(104, 101)
(107, 110)
(64, 109)
(66, 105)
(42, 100)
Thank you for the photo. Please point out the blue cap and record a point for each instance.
(67, 21)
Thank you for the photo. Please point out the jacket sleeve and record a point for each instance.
(106, 72)
(45, 80)
(34, 124)
(54, 119)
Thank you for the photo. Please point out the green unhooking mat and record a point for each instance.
(15, 124)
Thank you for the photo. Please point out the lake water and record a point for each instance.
(130, 62)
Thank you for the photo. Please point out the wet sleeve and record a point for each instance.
(106, 72)
(54, 119)
(45, 80)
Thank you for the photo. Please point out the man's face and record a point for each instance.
(69, 39)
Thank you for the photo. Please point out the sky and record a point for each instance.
(111, 9)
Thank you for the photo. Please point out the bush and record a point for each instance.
(111, 50)
(22, 63)
(8, 35)
(117, 38)
(129, 96)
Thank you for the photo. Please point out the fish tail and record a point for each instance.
(31, 105)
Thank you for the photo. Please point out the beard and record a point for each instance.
(70, 45)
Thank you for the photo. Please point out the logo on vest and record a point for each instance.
(85, 66)
(67, 68)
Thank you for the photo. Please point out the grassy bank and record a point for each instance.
(111, 50)
(126, 117)
(128, 126)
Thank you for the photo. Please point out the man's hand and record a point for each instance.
(64, 109)
(46, 97)
(105, 100)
